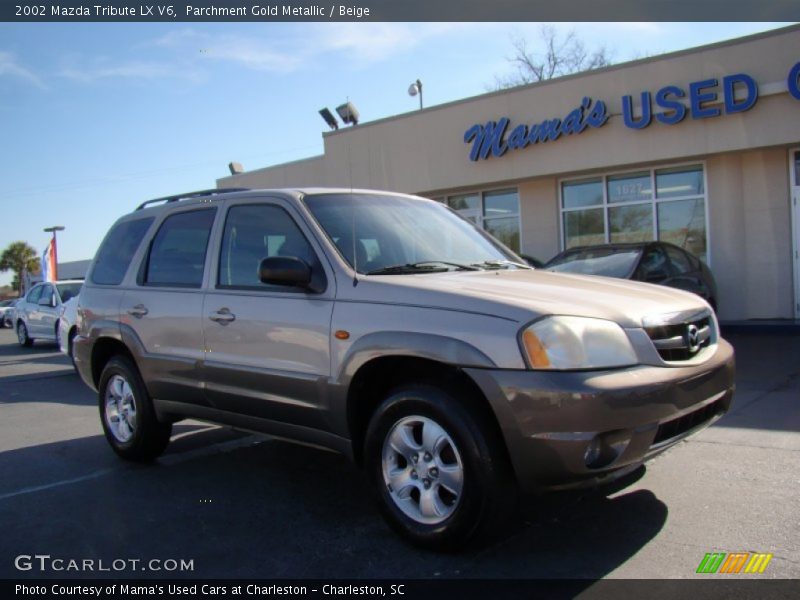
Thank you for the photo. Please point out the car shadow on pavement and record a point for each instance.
(14, 349)
(42, 359)
(57, 387)
(279, 510)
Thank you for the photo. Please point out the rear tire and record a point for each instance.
(127, 413)
(22, 335)
(440, 472)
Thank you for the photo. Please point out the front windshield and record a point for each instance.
(611, 262)
(396, 230)
(68, 290)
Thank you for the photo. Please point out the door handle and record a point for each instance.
(138, 311)
(223, 316)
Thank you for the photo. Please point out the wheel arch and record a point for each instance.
(103, 350)
(375, 378)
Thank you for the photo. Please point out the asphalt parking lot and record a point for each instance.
(246, 506)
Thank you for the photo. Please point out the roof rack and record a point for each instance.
(189, 195)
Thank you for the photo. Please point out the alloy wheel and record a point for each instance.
(120, 409)
(422, 470)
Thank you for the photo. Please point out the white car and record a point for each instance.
(7, 312)
(37, 314)
(66, 326)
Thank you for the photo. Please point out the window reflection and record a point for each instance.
(681, 181)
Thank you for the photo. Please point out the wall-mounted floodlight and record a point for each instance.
(329, 118)
(348, 113)
(414, 89)
(235, 168)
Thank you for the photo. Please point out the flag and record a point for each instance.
(49, 262)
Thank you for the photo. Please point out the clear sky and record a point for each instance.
(98, 117)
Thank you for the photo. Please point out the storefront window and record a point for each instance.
(622, 208)
(679, 182)
(631, 223)
(500, 204)
(584, 227)
(577, 194)
(497, 212)
(466, 202)
(683, 223)
(797, 168)
(629, 188)
(505, 229)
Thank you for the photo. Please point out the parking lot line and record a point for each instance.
(168, 460)
(47, 486)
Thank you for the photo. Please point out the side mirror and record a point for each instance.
(285, 270)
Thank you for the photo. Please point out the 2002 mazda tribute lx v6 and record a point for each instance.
(388, 328)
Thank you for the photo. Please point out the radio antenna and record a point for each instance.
(352, 215)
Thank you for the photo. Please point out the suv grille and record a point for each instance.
(682, 341)
(679, 426)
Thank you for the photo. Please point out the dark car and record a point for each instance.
(652, 262)
(533, 261)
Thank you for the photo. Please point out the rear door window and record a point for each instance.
(178, 251)
(117, 250)
(67, 291)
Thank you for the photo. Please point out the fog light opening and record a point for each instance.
(592, 454)
(604, 449)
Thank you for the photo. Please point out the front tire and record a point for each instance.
(22, 335)
(127, 413)
(440, 472)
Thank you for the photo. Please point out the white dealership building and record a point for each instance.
(699, 147)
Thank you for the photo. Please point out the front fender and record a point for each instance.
(437, 348)
(411, 344)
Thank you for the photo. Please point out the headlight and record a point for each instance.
(562, 342)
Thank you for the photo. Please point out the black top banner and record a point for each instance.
(398, 10)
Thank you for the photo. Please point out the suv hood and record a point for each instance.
(523, 295)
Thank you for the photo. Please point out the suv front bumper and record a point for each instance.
(582, 428)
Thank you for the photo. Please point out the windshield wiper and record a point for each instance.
(425, 266)
(500, 264)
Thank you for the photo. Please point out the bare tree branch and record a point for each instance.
(560, 57)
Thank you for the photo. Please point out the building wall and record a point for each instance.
(424, 151)
(749, 229)
(745, 156)
(751, 243)
(539, 215)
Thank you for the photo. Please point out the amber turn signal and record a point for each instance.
(341, 334)
(535, 350)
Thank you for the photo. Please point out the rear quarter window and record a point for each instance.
(115, 253)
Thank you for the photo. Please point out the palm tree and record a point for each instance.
(19, 257)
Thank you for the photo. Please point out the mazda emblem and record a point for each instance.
(693, 338)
